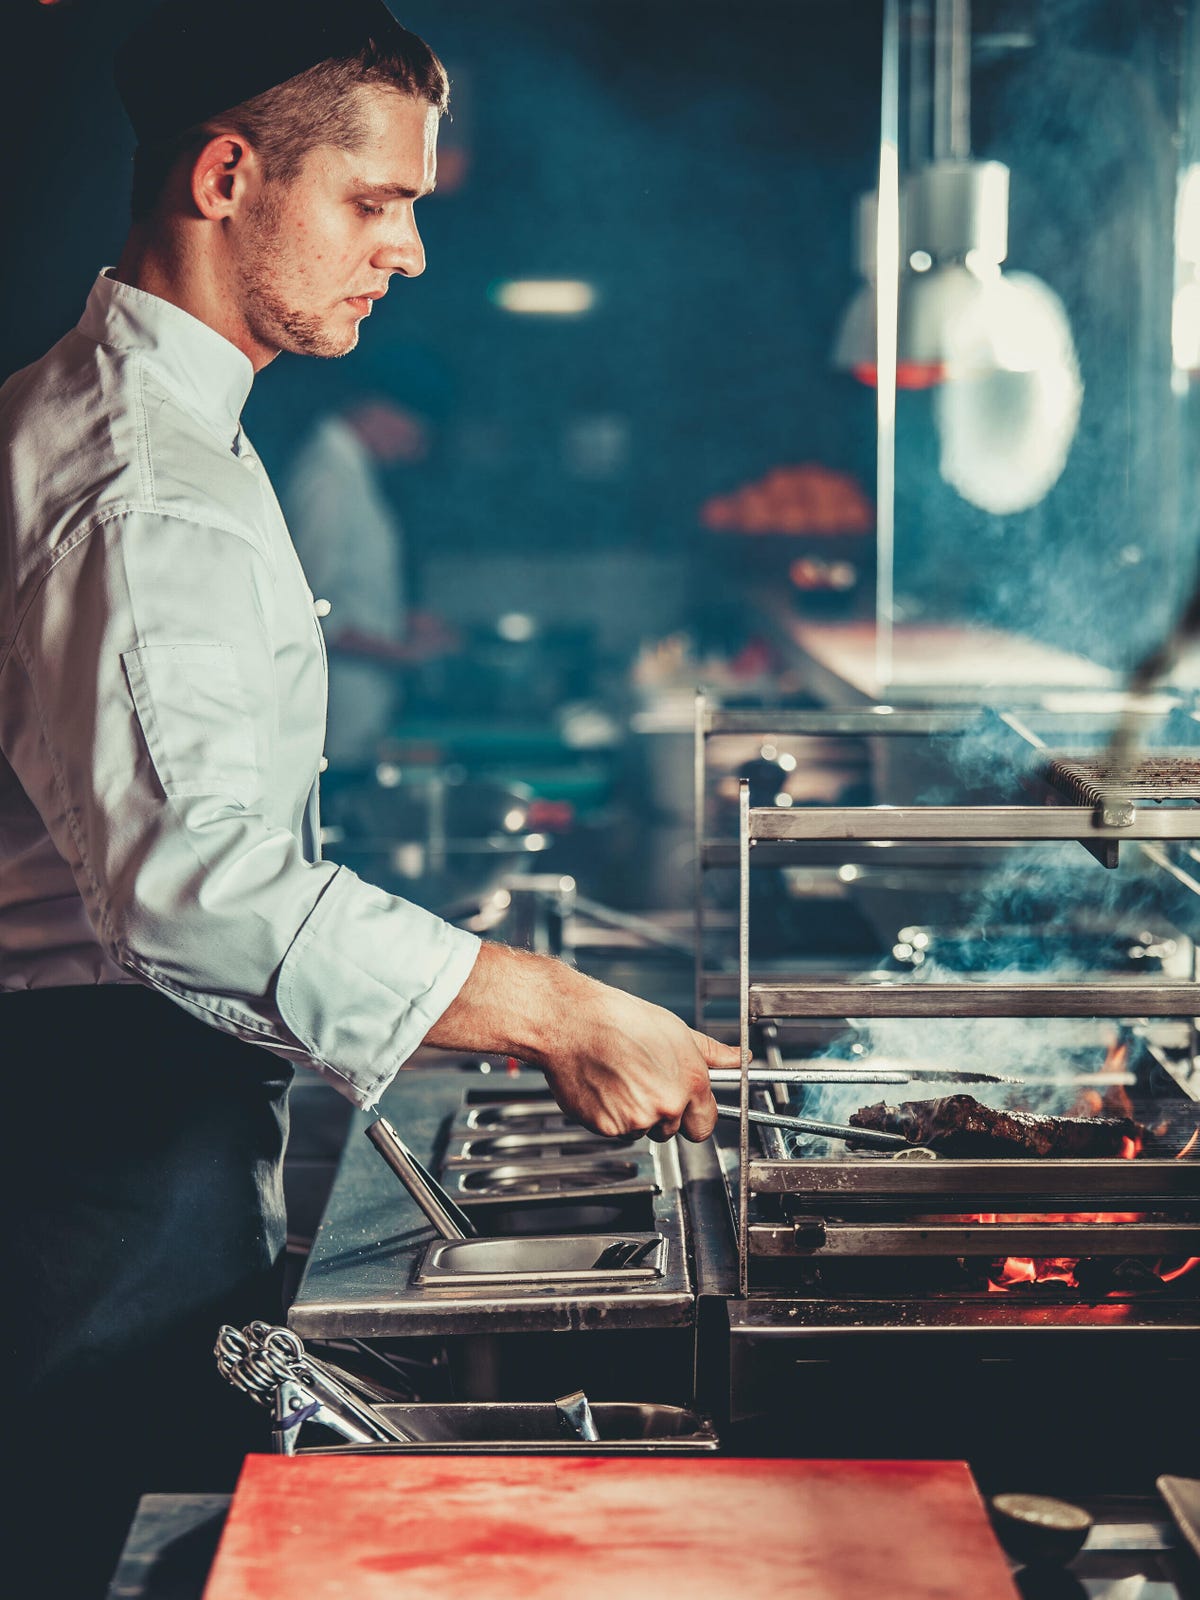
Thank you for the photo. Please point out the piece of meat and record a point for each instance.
(959, 1125)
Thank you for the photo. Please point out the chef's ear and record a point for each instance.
(221, 173)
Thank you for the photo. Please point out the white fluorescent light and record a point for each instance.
(545, 297)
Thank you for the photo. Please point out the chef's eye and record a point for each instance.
(365, 210)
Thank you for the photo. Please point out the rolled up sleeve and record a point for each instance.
(150, 739)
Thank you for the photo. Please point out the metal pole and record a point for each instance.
(744, 1031)
(960, 80)
(698, 771)
(887, 291)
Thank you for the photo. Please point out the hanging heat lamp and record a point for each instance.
(997, 348)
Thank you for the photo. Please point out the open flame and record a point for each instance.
(1014, 1270)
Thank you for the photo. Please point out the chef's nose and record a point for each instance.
(403, 252)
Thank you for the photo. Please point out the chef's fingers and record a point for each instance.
(666, 1129)
(699, 1119)
(716, 1054)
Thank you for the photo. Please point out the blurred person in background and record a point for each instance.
(350, 540)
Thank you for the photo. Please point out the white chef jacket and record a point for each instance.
(162, 711)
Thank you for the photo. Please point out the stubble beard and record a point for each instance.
(272, 320)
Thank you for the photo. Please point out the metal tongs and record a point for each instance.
(777, 1071)
(271, 1365)
(868, 1137)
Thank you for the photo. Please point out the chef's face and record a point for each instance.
(316, 252)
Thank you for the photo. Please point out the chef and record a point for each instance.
(170, 942)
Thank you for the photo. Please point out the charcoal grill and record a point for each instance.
(865, 1300)
(838, 1205)
(1167, 776)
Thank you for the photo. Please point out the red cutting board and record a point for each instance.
(598, 1528)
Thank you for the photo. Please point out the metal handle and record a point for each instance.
(731, 1077)
(451, 1221)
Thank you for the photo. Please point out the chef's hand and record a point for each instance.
(615, 1063)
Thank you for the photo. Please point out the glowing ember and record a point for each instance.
(1037, 1269)
(1015, 1270)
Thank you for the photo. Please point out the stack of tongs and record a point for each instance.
(272, 1366)
(777, 1071)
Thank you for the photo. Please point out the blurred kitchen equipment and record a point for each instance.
(431, 836)
(1183, 1500)
(514, 666)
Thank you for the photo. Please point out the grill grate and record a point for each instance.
(1164, 775)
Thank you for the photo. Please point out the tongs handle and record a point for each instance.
(451, 1221)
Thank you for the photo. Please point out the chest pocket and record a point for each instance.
(195, 719)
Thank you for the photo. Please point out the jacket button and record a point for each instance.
(322, 608)
(323, 764)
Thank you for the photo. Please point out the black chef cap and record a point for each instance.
(190, 59)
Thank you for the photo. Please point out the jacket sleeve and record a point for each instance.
(146, 735)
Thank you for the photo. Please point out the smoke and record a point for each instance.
(1088, 123)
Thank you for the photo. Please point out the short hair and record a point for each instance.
(287, 122)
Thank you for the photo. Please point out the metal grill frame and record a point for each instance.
(761, 828)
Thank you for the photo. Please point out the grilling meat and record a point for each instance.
(959, 1125)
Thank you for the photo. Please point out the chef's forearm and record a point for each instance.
(512, 1003)
(614, 1062)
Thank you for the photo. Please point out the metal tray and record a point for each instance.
(535, 1428)
(549, 1146)
(536, 1259)
(532, 1180)
(516, 1116)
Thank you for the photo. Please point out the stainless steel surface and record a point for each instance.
(1130, 1536)
(867, 1137)
(1092, 1183)
(769, 1034)
(519, 1116)
(778, 721)
(538, 1260)
(572, 1144)
(820, 1238)
(962, 824)
(917, 998)
(517, 1180)
(534, 1427)
(988, 1321)
(447, 1218)
(358, 1280)
(713, 1229)
(927, 856)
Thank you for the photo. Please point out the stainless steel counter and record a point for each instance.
(360, 1278)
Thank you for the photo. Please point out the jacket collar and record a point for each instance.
(195, 363)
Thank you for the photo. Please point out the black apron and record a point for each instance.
(143, 1154)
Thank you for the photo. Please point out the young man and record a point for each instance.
(169, 941)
